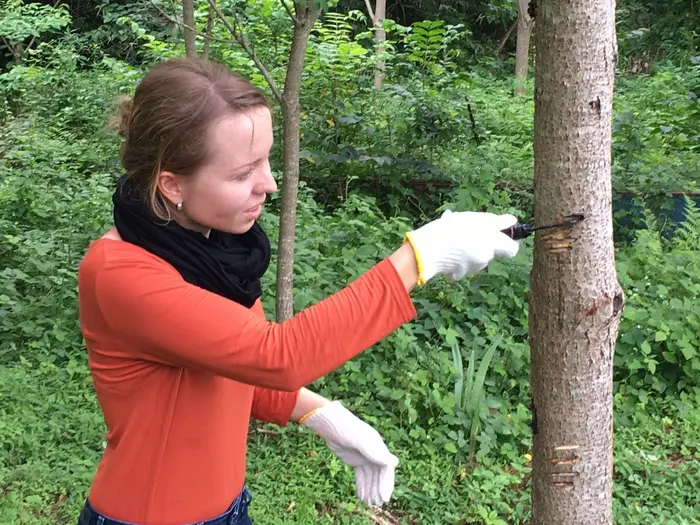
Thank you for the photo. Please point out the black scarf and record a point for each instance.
(227, 264)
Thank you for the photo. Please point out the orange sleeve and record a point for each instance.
(150, 309)
(273, 406)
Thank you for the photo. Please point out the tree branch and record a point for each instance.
(238, 35)
(507, 35)
(369, 10)
(183, 25)
(289, 12)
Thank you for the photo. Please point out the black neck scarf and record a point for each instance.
(230, 265)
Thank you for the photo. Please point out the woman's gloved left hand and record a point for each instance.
(358, 445)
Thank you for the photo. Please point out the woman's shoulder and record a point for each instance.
(110, 250)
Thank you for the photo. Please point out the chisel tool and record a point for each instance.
(521, 231)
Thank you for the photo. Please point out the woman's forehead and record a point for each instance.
(237, 137)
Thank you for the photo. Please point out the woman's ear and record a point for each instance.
(170, 188)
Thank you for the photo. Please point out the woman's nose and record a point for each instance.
(267, 183)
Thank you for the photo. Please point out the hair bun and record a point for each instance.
(122, 118)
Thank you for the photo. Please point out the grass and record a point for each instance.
(51, 437)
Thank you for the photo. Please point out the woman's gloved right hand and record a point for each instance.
(461, 243)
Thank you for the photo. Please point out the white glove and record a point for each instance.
(359, 446)
(461, 243)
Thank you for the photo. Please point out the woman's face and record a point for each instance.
(227, 193)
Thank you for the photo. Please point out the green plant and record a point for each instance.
(468, 397)
(658, 348)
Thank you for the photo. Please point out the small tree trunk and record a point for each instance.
(576, 300)
(380, 37)
(208, 31)
(291, 109)
(189, 28)
(522, 47)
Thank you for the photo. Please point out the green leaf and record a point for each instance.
(688, 351)
(476, 391)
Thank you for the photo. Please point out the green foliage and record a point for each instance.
(23, 21)
(450, 393)
(650, 31)
(659, 348)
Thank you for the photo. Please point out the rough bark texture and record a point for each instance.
(576, 300)
(291, 109)
(188, 26)
(380, 37)
(522, 46)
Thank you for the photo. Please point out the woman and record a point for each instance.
(179, 349)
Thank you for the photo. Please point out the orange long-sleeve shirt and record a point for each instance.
(179, 371)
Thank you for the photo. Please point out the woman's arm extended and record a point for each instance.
(307, 403)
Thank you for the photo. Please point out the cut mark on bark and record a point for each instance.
(569, 460)
(566, 484)
(567, 447)
(557, 241)
(565, 474)
(595, 105)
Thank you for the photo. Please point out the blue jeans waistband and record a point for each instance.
(236, 514)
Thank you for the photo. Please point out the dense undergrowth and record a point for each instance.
(375, 163)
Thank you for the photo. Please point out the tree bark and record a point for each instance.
(522, 46)
(305, 18)
(380, 37)
(208, 31)
(188, 27)
(576, 300)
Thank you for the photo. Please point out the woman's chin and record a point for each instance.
(241, 227)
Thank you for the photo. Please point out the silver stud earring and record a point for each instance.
(179, 206)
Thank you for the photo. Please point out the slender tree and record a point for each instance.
(522, 47)
(303, 17)
(377, 16)
(189, 27)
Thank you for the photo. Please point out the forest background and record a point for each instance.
(447, 125)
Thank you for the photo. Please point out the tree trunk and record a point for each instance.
(189, 28)
(576, 300)
(522, 46)
(291, 109)
(380, 37)
(208, 32)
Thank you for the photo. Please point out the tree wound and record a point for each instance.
(618, 303)
(557, 240)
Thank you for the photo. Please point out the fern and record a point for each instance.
(688, 234)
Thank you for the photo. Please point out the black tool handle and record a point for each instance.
(519, 231)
